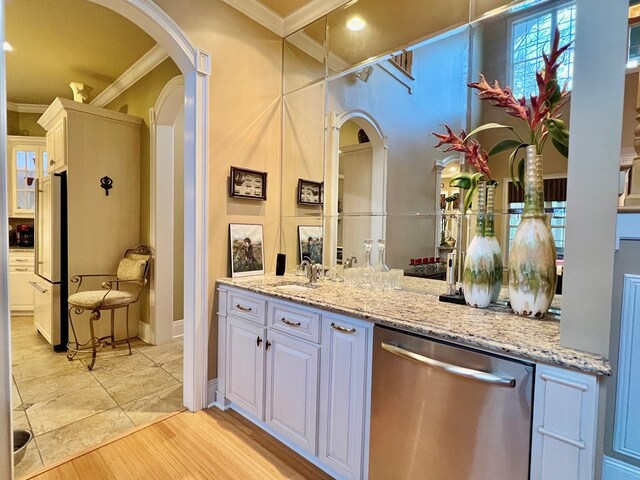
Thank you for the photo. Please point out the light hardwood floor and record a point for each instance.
(210, 444)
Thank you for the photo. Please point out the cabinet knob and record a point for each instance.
(268, 345)
(258, 342)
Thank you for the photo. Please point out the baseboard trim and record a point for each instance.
(178, 328)
(613, 469)
(212, 388)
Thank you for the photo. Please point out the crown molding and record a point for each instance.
(26, 107)
(309, 14)
(144, 65)
(259, 13)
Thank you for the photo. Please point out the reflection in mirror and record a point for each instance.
(522, 33)
(302, 158)
(402, 119)
(365, 29)
(304, 54)
(407, 100)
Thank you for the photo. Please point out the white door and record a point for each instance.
(48, 218)
(292, 389)
(245, 365)
(342, 396)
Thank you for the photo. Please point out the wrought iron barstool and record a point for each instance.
(132, 270)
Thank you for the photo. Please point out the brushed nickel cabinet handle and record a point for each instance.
(21, 270)
(289, 322)
(38, 287)
(343, 329)
(244, 309)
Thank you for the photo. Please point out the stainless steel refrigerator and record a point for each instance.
(50, 279)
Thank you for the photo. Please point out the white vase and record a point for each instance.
(532, 258)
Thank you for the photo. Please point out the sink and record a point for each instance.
(296, 287)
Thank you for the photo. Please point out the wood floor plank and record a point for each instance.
(207, 445)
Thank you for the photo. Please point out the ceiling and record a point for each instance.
(56, 42)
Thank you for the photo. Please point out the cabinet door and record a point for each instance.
(245, 365)
(20, 291)
(292, 389)
(343, 393)
(57, 146)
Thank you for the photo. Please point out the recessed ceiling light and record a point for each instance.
(452, 169)
(355, 24)
(6, 46)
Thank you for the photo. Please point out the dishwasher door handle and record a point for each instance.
(485, 377)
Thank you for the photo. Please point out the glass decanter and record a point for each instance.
(368, 266)
(381, 266)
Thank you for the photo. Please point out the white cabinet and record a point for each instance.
(564, 425)
(245, 365)
(343, 386)
(301, 374)
(20, 290)
(26, 162)
(57, 145)
(292, 388)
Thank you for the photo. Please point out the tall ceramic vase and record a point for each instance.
(494, 246)
(479, 268)
(532, 258)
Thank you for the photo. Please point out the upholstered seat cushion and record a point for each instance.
(95, 299)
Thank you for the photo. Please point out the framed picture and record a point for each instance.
(247, 251)
(248, 183)
(310, 241)
(310, 193)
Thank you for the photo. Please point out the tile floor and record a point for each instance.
(69, 408)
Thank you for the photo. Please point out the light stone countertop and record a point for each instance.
(416, 308)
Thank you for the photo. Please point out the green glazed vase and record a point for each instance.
(532, 258)
(483, 260)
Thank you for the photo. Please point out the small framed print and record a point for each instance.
(248, 184)
(310, 241)
(247, 250)
(310, 193)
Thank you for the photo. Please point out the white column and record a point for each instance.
(196, 208)
(6, 438)
(594, 157)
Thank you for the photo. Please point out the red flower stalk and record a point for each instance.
(473, 153)
(541, 115)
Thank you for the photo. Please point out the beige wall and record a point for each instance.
(244, 126)
(178, 218)
(24, 124)
(137, 100)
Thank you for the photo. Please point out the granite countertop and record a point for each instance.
(416, 308)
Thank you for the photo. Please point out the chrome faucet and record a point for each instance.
(311, 270)
(351, 261)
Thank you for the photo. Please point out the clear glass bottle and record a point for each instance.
(368, 266)
(381, 266)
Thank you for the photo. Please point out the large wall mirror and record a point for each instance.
(359, 119)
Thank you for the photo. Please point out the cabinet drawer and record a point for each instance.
(21, 260)
(246, 306)
(295, 321)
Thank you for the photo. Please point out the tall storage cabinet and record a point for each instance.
(90, 143)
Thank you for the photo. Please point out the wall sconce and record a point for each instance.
(364, 74)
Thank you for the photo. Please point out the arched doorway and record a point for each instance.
(195, 66)
(372, 193)
(167, 211)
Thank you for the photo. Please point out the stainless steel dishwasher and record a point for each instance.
(442, 412)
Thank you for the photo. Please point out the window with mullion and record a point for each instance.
(532, 35)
